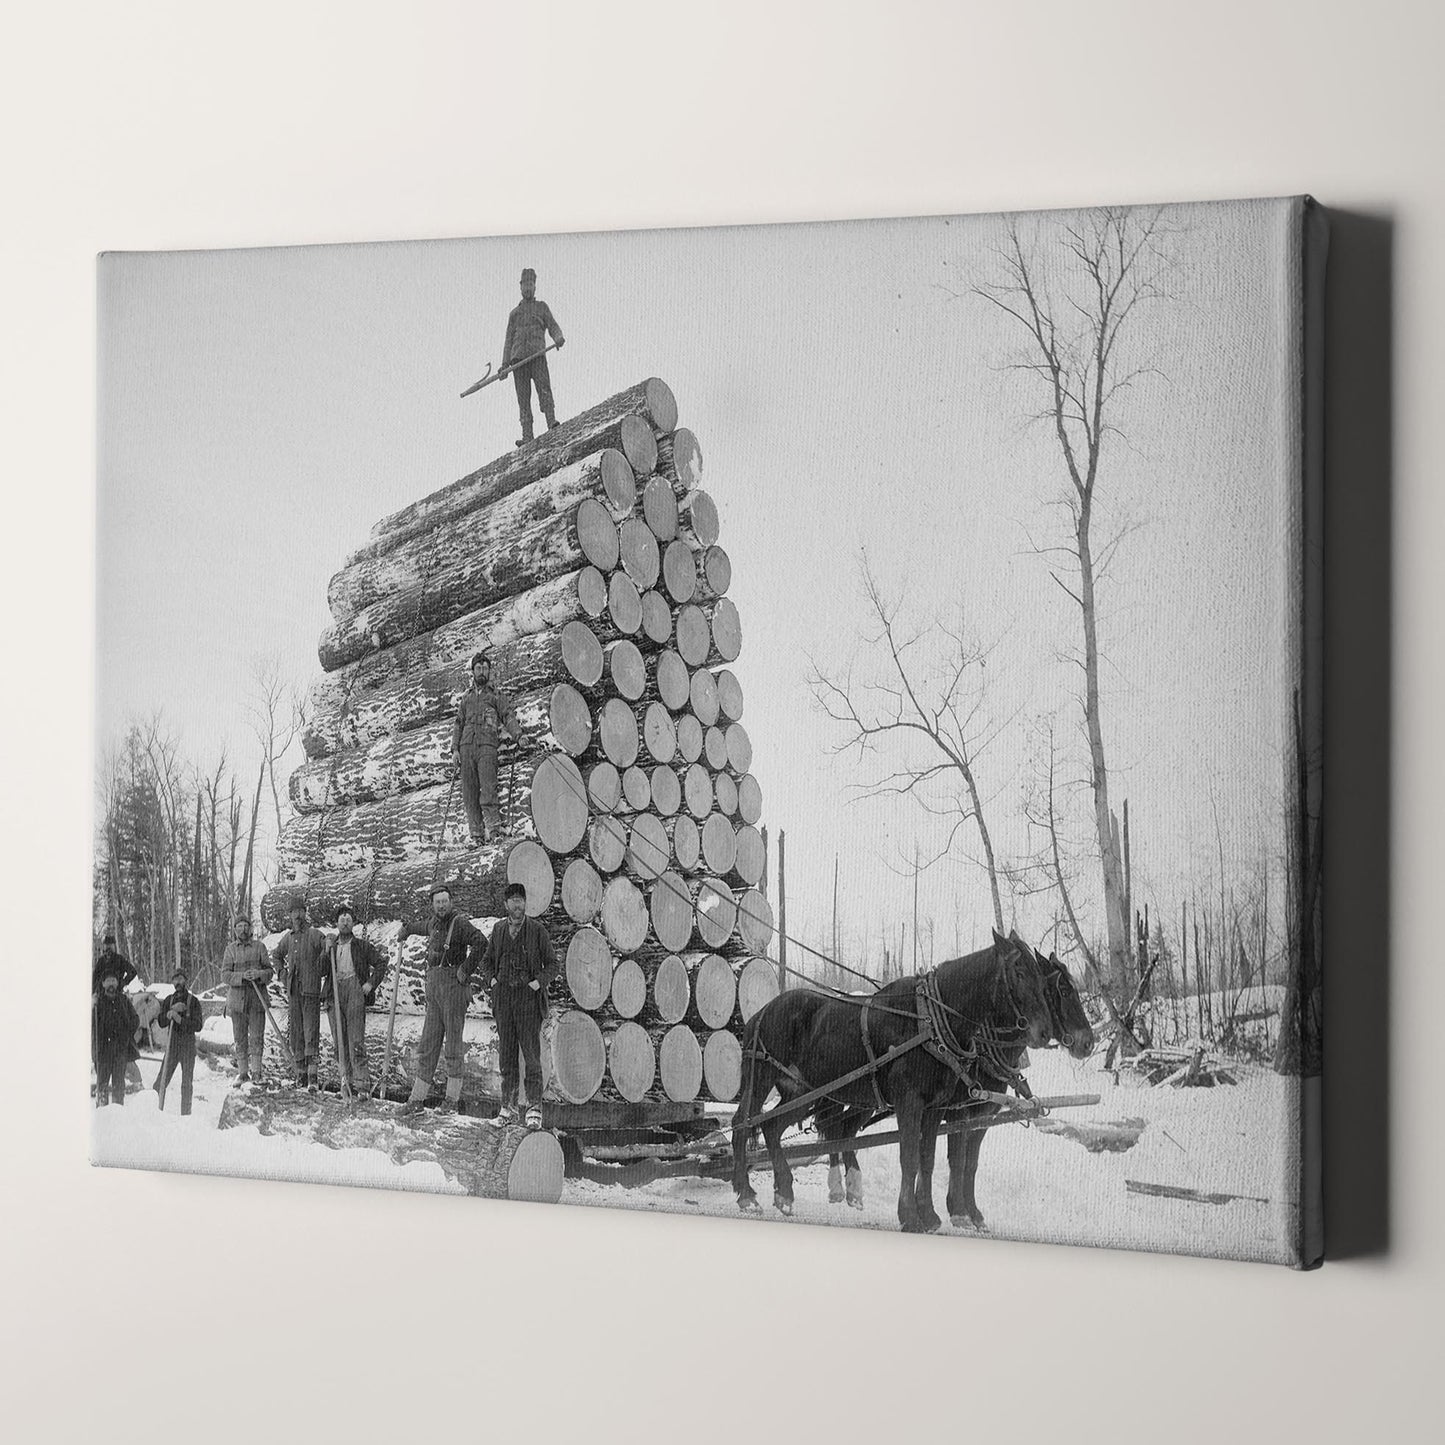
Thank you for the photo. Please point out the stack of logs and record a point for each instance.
(588, 562)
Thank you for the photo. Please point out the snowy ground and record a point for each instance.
(1031, 1185)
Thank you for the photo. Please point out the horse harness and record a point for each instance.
(986, 1051)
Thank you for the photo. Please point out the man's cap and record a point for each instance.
(440, 886)
(484, 655)
(110, 973)
(344, 908)
(513, 890)
(297, 903)
(180, 971)
(529, 274)
(109, 938)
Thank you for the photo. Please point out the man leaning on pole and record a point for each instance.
(354, 967)
(248, 970)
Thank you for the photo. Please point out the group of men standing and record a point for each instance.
(516, 966)
(115, 1025)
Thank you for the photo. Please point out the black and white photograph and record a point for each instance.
(736, 711)
(814, 721)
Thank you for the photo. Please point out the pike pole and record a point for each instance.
(489, 376)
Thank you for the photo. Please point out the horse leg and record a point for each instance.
(757, 1083)
(827, 1120)
(963, 1151)
(928, 1220)
(910, 1116)
(854, 1120)
(782, 1174)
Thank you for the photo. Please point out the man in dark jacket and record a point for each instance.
(182, 1013)
(453, 947)
(110, 959)
(519, 967)
(113, 1026)
(482, 713)
(530, 323)
(354, 968)
(302, 954)
(248, 971)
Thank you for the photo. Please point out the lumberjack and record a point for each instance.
(452, 947)
(528, 327)
(182, 1013)
(354, 968)
(482, 712)
(518, 967)
(247, 967)
(303, 954)
(113, 1026)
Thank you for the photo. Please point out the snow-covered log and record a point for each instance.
(606, 475)
(469, 572)
(608, 424)
(485, 1159)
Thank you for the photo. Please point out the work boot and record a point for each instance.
(454, 1095)
(551, 422)
(507, 1115)
(420, 1088)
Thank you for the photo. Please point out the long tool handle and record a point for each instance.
(489, 378)
(266, 1004)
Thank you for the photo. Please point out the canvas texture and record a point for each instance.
(911, 811)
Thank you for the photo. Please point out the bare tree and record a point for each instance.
(920, 695)
(1077, 304)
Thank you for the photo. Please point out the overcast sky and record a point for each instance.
(259, 410)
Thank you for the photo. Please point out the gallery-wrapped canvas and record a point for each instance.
(907, 820)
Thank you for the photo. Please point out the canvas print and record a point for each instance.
(905, 818)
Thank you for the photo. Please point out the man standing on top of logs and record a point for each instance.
(518, 967)
(248, 970)
(453, 946)
(182, 1014)
(110, 959)
(482, 712)
(302, 954)
(354, 967)
(528, 327)
(113, 1025)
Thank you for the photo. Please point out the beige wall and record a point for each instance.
(150, 125)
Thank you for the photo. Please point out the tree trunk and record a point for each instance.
(577, 595)
(680, 571)
(401, 891)
(656, 618)
(679, 458)
(629, 988)
(757, 985)
(601, 426)
(574, 1056)
(468, 573)
(604, 476)
(484, 1159)
(649, 850)
(422, 757)
(624, 915)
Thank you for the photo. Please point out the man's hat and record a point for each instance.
(529, 274)
(440, 886)
(513, 889)
(297, 903)
(344, 908)
(110, 973)
(180, 971)
(109, 938)
(484, 655)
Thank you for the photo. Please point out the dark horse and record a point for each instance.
(802, 1040)
(1070, 1026)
